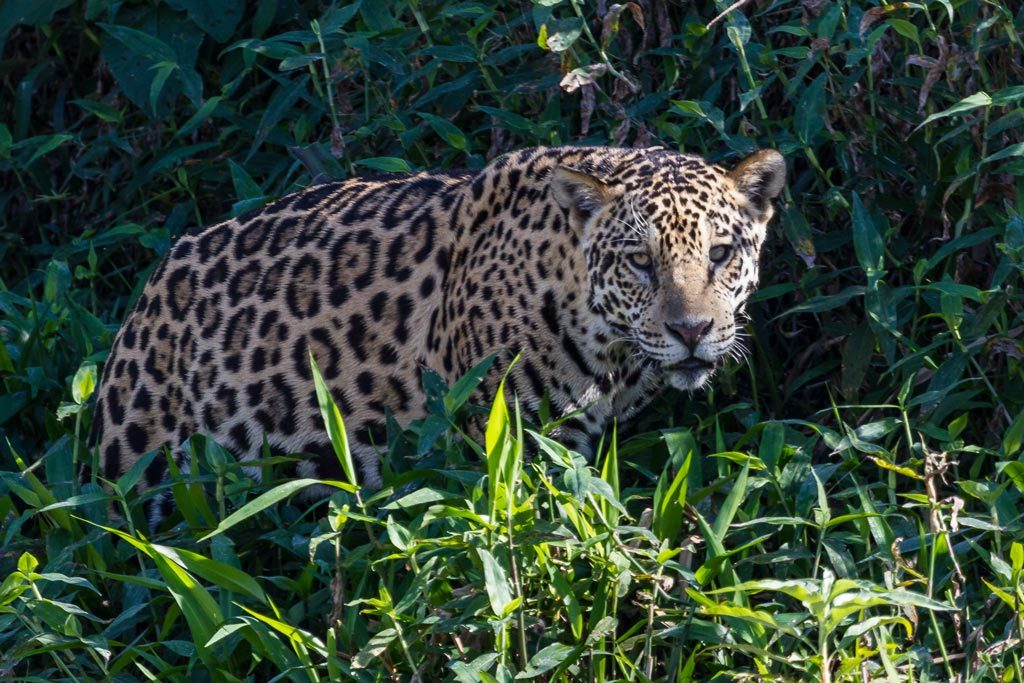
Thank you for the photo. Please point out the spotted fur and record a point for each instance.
(612, 271)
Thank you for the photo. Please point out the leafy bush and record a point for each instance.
(846, 505)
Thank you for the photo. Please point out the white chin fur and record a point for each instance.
(689, 381)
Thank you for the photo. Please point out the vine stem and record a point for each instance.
(600, 50)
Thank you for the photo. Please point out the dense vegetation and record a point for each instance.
(846, 505)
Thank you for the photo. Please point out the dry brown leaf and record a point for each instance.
(337, 143)
(621, 132)
(588, 99)
(499, 140)
(935, 67)
(1007, 347)
(812, 7)
(819, 45)
(610, 22)
(876, 13)
(664, 24)
(643, 138)
(870, 17)
(622, 90)
(583, 76)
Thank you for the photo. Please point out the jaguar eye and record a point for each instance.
(720, 253)
(640, 260)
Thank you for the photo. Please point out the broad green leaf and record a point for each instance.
(1002, 595)
(448, 131)
(511, 120)
(27, 563)
(245, 186)
(546, 659)
(293, 633)
(610, 476)
(496, 583)
(969, 103)
(818, 304)
(1010, 95)
(759, 617)
(562, 33)
(12, 404)
(28, 13)
(563, 589)
(772, 441)
(370, 655)
(127, 481)
(222, 575)
(47, 144)
(498, 446)
(862, 627)
(850, 603)
(202, 114)
(463, 388)
(857, 353)
(713, 566)
(56, 577)
(334, 423)
(823, 513)
(386, 164)
(807, 591)
(452, 53)
(905, 29)
(142, 43)
(669, 499)
(422, 496)
(399, 535)
(75, 501)
(1015, 471)
(271, 497)
(83, 383)
(843, 519)
(13, 586)
(217, 19)
(867, 241)
(163, 71)
(798, 232)
(542, 37)
(1014, 436)
(1017, 556)
(201, 612)
(809, 119)
(497, 423)
(732, 504)
(157, 35)
(1005, 153)
(277, 109)
(738, 33)
(511, 607)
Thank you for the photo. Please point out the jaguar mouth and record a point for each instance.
(690, 374)
(691, 365)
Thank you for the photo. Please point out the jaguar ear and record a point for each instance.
(760, 178)
(581, 193)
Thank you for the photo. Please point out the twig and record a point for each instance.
(734, 6)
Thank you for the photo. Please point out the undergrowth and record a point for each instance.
(845, 506)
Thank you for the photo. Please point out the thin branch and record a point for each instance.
(734, 6)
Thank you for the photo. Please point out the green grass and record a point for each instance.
(845, 506)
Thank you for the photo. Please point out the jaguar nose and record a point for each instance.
(690, 333)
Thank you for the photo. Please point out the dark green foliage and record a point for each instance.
(853, 493)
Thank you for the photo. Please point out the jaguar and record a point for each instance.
(611, 272)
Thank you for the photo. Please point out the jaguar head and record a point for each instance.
(672, 246)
